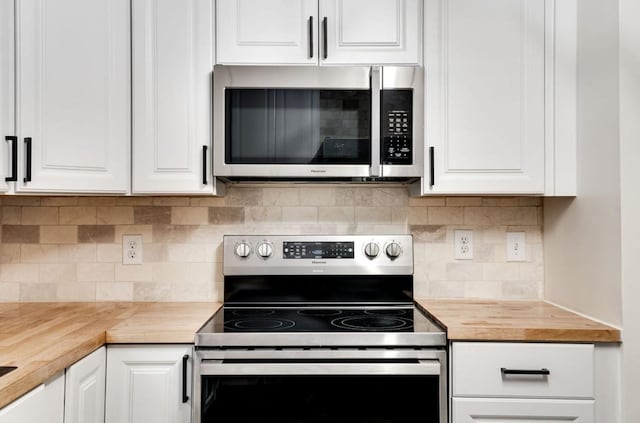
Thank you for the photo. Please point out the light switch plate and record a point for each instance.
(516, 247)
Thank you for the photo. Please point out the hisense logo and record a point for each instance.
(318, 262)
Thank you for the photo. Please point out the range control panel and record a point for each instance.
(307, 254)
(397, 126)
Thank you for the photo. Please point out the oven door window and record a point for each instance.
(297, 126)
(315, 399)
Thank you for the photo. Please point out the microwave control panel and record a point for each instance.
(397, 126)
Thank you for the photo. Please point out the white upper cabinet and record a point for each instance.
(318, 32)
(485, 97)
(172, 64)
(73, 95)
(370, 31)
(7, 118)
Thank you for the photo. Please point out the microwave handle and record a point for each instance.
(376, 87)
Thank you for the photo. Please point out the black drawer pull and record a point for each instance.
(541, 372)
(185, 360)
(204, 164)
(324, 37)
(14, 159)
(27, 176)
(310, 36)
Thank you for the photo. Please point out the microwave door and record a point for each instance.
(376, 86)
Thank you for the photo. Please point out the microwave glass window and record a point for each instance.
(297, 126)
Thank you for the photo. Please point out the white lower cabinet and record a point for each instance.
(524, 382)
(85, 389)
(148, 383)
(501, 410)
(44, 403)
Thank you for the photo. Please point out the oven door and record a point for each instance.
(305, 386)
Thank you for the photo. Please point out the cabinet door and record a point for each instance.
(144, 384)
(7, 66)
(73, 95)
(371, 31)
(172, 63)
(85, 389)
(484, 71)
(42, 404)
(469, 410)
(267, 31)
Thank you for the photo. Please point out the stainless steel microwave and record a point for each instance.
(318, 123)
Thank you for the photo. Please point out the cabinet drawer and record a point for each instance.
(477, 370)
(508, 410)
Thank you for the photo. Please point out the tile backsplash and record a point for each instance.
(70, 248)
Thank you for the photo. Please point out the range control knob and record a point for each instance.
(371, 250)
(243, 250)
(265, 250)
(393, 250)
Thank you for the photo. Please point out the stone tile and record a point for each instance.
(482, 289)
(445, 215)
(531, 271)
(500, 201)
(15, 272)
(76, 291)
(96, 272)
(244, 196)
(376, 215)
(96, 233)
(67, 234)
(518, 216)
(464, 271)
(520, 290)
(427, 201)
(362, 197)
(463, 201)
(11, 215)
(317, 197)
(399, 215)
(501, 272)
(417, 215)
(39, 216)
(150, 291)
(192, 291)
(9, 292)
(446, 289)
(78, 215)
(134, 273)
(134, 201)
(21, 234)
(10, 253)
(226, 215)
(208, 201)
(189, 215)
(482, 216)
(529, 201)
(114, 291)
(173, 233)
(117, 215)
(263, 214)
(428, 233)
(389, 197)
(299, 214)
(59, 201)
(58, 273)
(39, 253)
(345, 215)
(155, 253)
(178, 272)
(20, 200)
(152, 215)
(171, 201)
(186, 253)
(111, 253)
(145, 230)
(38, 292)
(77, 253)
(97, 201)
(280, 197)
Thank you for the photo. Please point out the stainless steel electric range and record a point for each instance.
(316, 329)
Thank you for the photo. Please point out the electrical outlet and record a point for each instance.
(463, 244)
(131, 249)
(516, 247)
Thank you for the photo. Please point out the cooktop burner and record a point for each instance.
(319, 319)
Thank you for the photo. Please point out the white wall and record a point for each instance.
(630, 201)
(582, 249)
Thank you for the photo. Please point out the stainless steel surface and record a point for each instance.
(376, 86)
(236, 263)
(315, 77)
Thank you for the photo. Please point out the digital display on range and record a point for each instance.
(317, 250)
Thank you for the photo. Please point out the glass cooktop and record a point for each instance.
(319, 319)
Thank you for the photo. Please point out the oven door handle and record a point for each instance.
(238, 367)
(376, 87)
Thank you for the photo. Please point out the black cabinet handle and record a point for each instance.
(311, 36)
(185, 360)
(204, 164)
(432, 168)
(541, 372)
(324, 37)
(14, 159)
(27, 177)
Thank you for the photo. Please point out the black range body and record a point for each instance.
(317, 329)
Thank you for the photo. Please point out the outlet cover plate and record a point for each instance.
(131, 249)
(516, 247)
(463, 244)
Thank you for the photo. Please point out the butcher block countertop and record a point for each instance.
(42, 339)
(517, 321)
